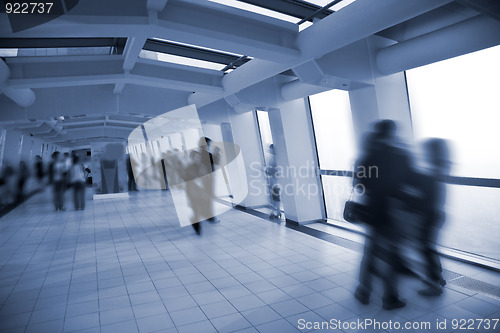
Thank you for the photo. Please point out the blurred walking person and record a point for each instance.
(200, 188)
(132, 186)
(274, 186)
(431, 208)
(57, 177)
(39, 171)
(23, 174)
(391, 169)
(68, 161)
(77, 180)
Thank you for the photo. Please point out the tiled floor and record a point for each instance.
(125, 265)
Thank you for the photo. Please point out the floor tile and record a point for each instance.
(230, 323)
(187, 316)
(246, 302)
(127, 266)
(154, 323)
(218, 309)
(261, 315)
(81, 322)
(278, 326)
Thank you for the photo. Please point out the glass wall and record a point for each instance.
(458, 100)
(266, 139)
(335, 142)
(265, 133)
(333, 127)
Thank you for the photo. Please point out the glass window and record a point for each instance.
(196, 47)
(61, 51)
(336, 7)
(334, 130)
(472, 220)
(257, 10)
(335, 142)
(265, 132)
(457, 99)
(145, 54)
(8, 53)
(337, 191)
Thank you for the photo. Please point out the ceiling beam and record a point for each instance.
(156, 5)
(296, 8)
(331, 33)
(61, 42)
(132, 49)
(131, 54)
(100, 70)
(199, 23)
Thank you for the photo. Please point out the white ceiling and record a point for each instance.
(117, 80)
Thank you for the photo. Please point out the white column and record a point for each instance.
(246, 135)
(296, 156)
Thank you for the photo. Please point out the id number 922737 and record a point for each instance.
(474, 324)
(28, 7)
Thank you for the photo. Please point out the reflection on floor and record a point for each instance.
(125, 265)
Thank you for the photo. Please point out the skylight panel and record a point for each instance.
(8, 53)
(305, 25)
(197, 47)
(192, 55)
(336, 7)
(257, 10)
(57, 51)
(145, 54)
(44, 47)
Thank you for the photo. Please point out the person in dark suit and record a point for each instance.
(57, 178)
(205, 162)
(382, 172)
(39, 171)
(132, 186)
(430, 207)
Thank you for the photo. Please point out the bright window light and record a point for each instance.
(55, 51)
(265, 128)
(197, 47)
(180, 60)
(337, 7)
(334, 129)
(8, 52)
(305, 25)
(336, 146)
(257, 10)
(457, 99)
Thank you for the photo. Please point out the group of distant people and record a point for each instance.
(13, 183)
(66, 172)
(63, 172)
(397, 183)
